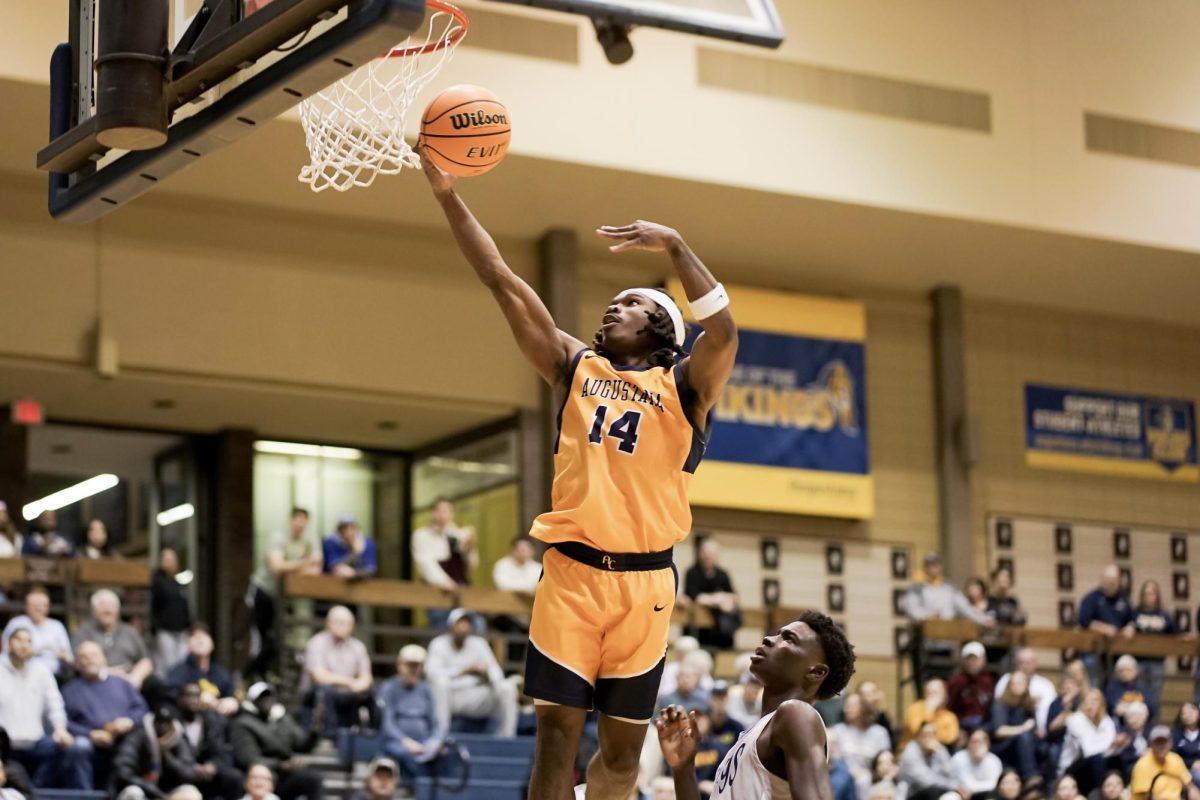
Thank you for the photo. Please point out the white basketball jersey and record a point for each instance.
(742, 775)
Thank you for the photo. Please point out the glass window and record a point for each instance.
(481, 478)
(330, 483)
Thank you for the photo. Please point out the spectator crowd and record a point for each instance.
(143, 710)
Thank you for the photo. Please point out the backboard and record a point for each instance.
(150, 86)
(748, 21)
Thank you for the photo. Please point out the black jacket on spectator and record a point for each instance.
(140, 753)
(697, 583)
(212, 747)
(169, 609)
(1006, 610)
(255, 740)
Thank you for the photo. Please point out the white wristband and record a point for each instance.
(711, 303)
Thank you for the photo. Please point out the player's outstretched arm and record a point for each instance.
(713, 353)
(543, 344)
(799, 734)
(679, 735)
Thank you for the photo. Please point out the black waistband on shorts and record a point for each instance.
(617, 562)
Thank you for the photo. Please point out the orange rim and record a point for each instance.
(460, 17)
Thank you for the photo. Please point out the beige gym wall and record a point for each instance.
(259, 298)
(1008, 347)
(815, 118)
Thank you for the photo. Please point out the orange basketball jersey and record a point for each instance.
(624, 458)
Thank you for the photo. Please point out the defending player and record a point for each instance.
(784, 756)
(633, 422)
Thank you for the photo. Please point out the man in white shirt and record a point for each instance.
(466, 678)
(1041, 689)
(29, 699)
(518, 571)
(51, 642)
(444, 554)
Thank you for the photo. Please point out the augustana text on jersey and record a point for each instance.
(614, 389)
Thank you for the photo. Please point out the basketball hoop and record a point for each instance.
(355, 128)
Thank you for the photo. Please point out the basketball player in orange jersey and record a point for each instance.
(633, 421)
(785, 755)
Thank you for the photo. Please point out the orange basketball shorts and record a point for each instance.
(598, 636)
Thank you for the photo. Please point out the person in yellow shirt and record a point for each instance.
(1161, 774)
(931, 708)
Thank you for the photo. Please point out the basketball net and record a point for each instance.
(354, 129)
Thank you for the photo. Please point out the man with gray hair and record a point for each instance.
(100, 706)
(337, 671)
(1125, 688)
(51, 642)
(124, 648)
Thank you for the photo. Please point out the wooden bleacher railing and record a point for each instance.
(929, 658)
(411, 595)
(72, 581)
(963, 630)
(75, 571)
(381, 593)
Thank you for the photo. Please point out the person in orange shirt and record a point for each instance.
(931, 708)
(633, 424)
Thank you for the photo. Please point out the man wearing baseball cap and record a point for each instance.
(411, 733)
(931, 596)
(970, 688)
(1160, 774)
(466, 679)
(381, 781)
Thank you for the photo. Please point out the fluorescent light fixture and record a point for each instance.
(70, 495)
(474, 467)
(185, 577)
(185, 511)
(313, 450)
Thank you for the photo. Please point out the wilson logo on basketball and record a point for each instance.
(476, 118)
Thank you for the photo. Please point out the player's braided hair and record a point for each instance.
(839, 653)
(658, 323)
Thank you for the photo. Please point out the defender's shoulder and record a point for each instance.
(797, 723)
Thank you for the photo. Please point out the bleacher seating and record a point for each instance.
(70, 794)
(499, 767)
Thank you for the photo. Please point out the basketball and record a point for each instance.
(466, 129)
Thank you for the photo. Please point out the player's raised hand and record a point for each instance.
(678, 735)
(441, 181)
(641, 235)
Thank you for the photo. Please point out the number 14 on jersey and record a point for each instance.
(624, 429)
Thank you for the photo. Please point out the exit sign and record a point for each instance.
(28, 412)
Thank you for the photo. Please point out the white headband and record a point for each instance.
(668, 305)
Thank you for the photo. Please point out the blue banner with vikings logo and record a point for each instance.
(789, 433)
(1109, 433)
